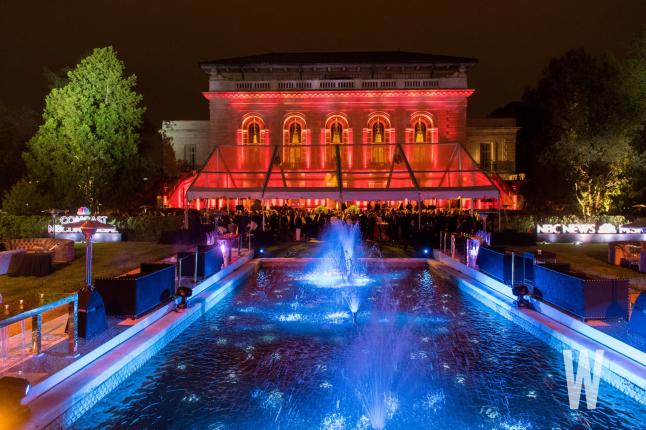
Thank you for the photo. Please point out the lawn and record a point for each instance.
(589, 258)
(110, 259)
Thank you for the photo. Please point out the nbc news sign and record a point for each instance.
(588, 233)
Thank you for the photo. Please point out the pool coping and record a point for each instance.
(626, 364)
(58, 400)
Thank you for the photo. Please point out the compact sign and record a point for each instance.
(606, 232)
(75, 234)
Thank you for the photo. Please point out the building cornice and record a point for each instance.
(210, 95)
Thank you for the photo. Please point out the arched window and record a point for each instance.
(252, 131)
(295, 133)
(422, 128)
(421, 132)
(380, 133)
(337, 131)
(295, 137)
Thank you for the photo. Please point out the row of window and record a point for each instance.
(337, 129)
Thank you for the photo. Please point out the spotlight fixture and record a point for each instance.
(425, 251)
(520, 291)
(184, 293)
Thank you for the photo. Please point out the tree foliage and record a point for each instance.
(25, 198)
(596, 167)
(580, 111)
(88, 141)
(635, 79)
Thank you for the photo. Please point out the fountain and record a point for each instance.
(339, 261)
(352, 300)
(376, 371)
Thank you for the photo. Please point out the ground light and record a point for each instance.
(184, 293)
(12, 391)
(520, 291)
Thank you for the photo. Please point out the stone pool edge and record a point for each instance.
(556, 328)
(58, 401)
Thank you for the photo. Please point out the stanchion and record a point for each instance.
(513, 264)
(195, 271)
(445, 234)
(179, 272)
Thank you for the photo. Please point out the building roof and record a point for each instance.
(303, 58)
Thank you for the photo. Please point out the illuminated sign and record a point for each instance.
(83, 211)
(566, 228)
(605, 232)
(606, 228)
(61, 230)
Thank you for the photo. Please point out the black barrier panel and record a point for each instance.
(496, 262)
(137, 294)
(585, 298)
(209, 261)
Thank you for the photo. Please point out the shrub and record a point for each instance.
(23, 227)
(25, 198)
(147, 228)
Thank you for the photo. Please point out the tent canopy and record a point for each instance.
(395, 171)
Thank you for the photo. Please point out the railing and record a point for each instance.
(337, 84)
(36, 315)
(501, 166)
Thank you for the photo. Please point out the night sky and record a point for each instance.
(162, 41)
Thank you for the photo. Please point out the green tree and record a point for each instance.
(580, 98)
(635, 80)
(89, 135)
(596, 168)
(25, 198)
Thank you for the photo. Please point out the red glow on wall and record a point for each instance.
(209, 95)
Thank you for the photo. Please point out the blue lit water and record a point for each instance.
(283, 352)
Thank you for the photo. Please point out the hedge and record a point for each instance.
(16, 226)
(140, 228)
(147, 228)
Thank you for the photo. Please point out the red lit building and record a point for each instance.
(320, 128)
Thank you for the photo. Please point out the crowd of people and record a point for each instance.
(404, 224)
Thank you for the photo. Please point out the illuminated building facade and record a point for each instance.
(320, 127)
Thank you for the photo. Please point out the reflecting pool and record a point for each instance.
(406, 349)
